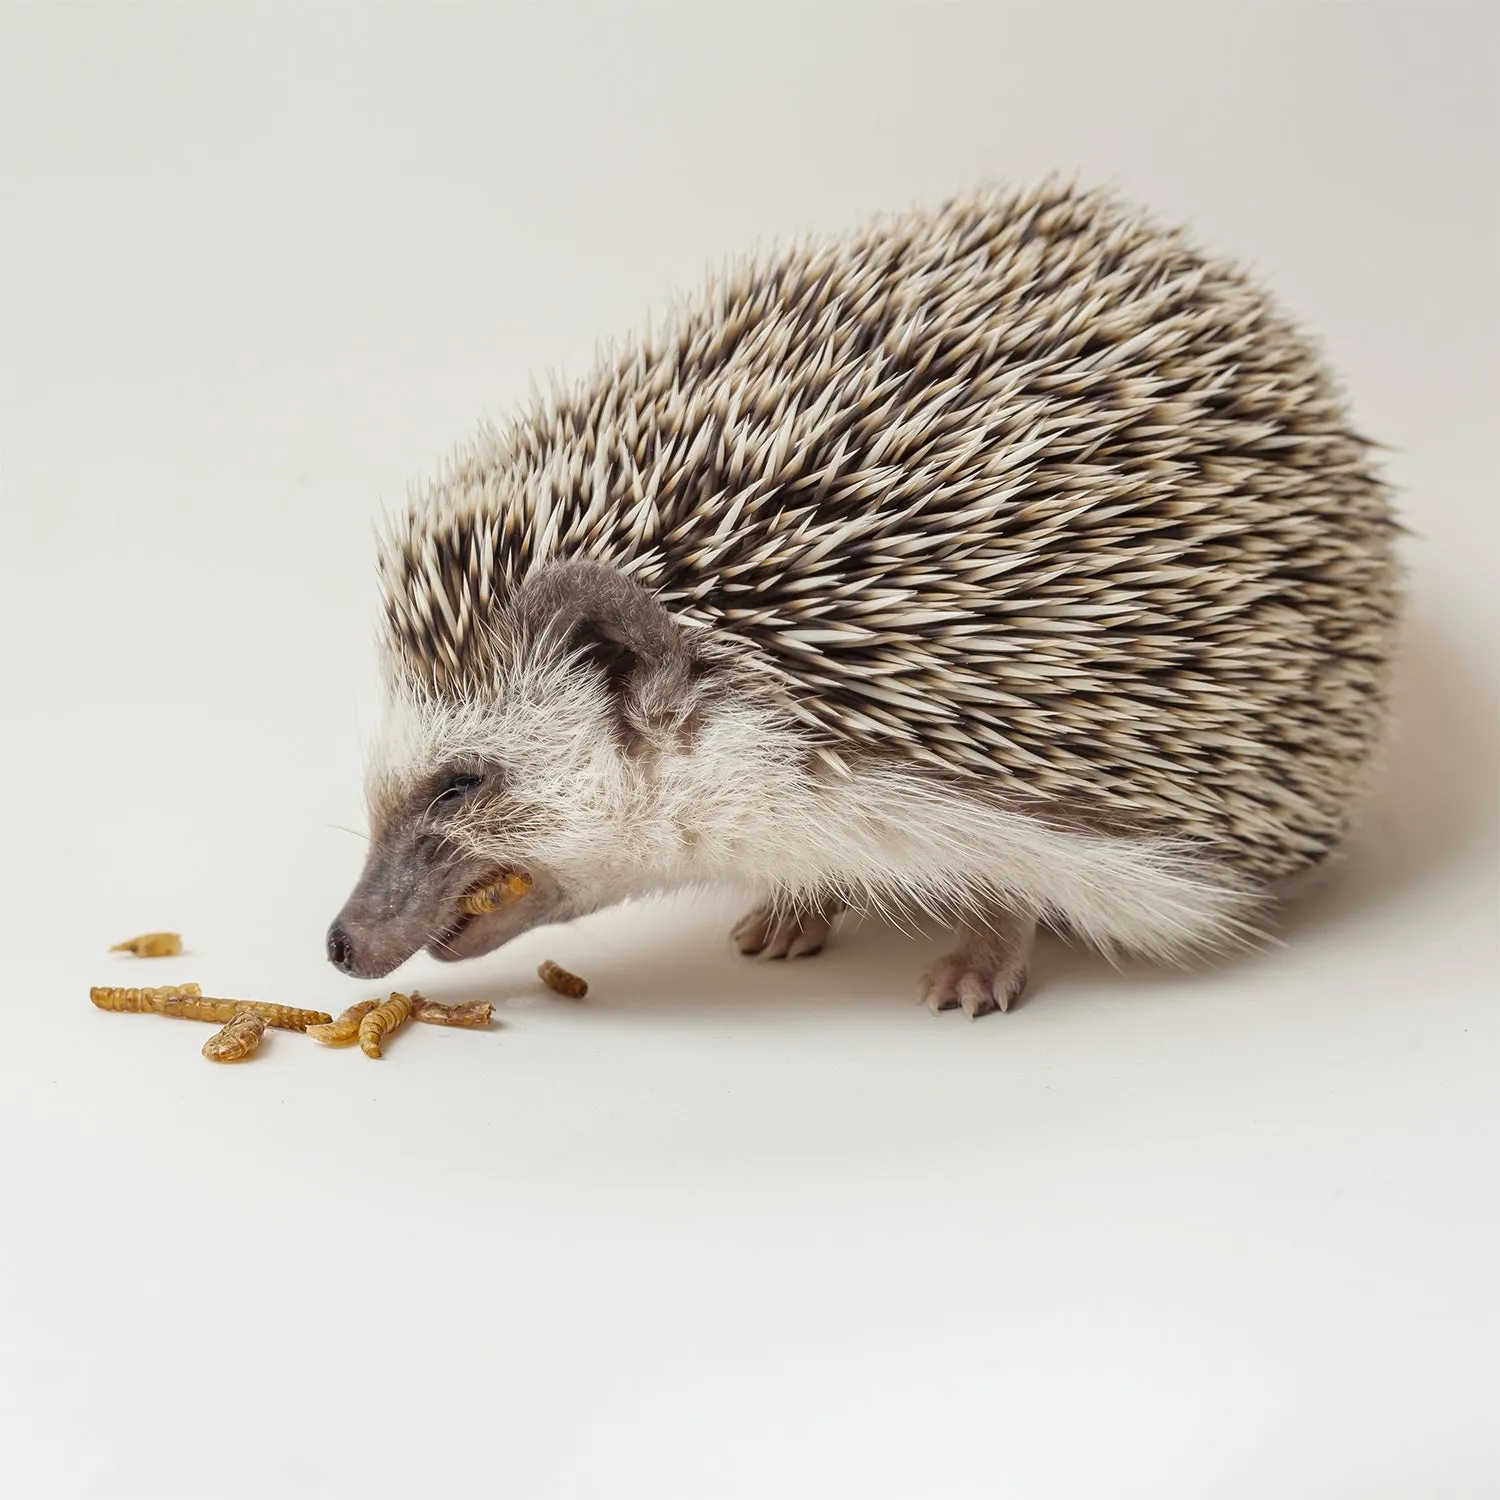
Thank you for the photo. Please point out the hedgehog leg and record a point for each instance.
(798, 933)
(986, 973)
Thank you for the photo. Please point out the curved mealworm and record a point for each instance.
(237, 1040)
(380, 1022)
(345, 1029)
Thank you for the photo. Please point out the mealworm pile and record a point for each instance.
(244, 1021)
(371, 1023)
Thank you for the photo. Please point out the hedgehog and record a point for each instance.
(1010, 563)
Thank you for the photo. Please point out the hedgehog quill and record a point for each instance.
(1013, 562)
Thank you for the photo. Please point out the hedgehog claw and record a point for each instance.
(939, 988)
(798, 934)
(988, 973)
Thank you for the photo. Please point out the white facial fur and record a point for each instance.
(746, 801)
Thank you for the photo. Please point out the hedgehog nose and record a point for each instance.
(340, 949)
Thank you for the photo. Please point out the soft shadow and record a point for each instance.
(1434, 807)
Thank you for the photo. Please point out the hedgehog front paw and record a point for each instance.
(795, 934)
(978, 988)
(988, 973)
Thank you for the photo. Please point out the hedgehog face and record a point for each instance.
(434, 839)
(557, 765)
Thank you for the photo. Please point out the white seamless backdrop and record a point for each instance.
(724, 1229)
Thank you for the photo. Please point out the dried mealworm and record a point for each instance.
(188, 1003)
(285, 1017)
(381, 1021)
(496, 891)
(151, 945)
(558, 978)
(474, 1015)
(237, 1040)
(123, 998)
(341, 1032)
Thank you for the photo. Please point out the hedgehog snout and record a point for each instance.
(340, 949)
(366, 951)
(405, 896)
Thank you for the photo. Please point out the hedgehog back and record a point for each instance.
(1025, 488)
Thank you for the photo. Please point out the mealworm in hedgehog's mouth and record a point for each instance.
(500, 888)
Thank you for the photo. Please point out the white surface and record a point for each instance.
(724, 1229)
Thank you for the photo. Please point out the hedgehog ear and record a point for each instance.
(597, 646)
(616, 626)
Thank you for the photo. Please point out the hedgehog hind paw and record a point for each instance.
(766, 933)
(988, 972)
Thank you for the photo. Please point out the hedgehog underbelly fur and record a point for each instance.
(1025, 488)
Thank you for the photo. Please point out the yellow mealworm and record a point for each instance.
(285, 1017)
(151, 945)
(237, 1040)
(557, 978)
(380, 1022)
(341, 1032)
(495, 892)
(475, 1014)
(123, 998)
(189, 1003)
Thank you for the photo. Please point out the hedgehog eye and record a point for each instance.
(456, 789)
